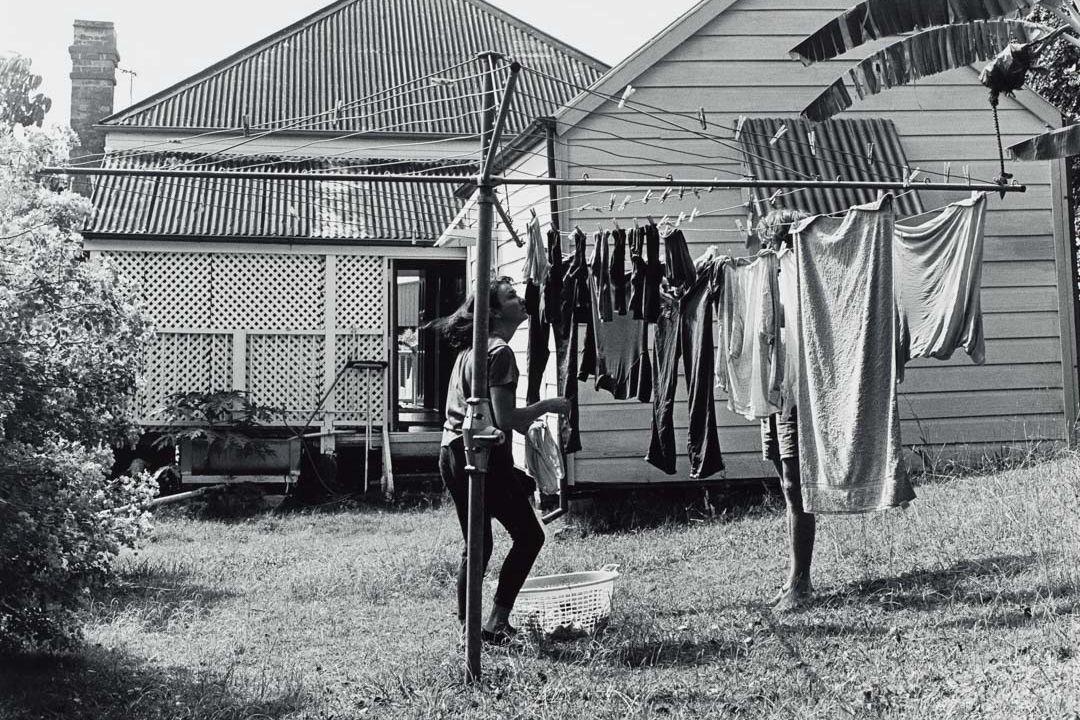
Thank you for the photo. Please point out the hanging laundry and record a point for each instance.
(938, 274)
(679, 269)
(788, 283)
(576, 307)
(749, 364)
(684, 328)
(636, 241)
(543, 305)
(600, 264)
(654, 274)
(618, 276)
(621, 364)
(849, 426)
(537, 264)
(542, 458)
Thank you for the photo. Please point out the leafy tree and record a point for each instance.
(71, 343)
(17, 105)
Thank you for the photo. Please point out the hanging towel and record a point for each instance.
(749, 366)
(849, 427)
(938, 271)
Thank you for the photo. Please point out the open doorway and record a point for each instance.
(423, 291)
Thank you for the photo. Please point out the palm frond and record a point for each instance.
(926, 53)
(875, 19)
(1049, 146)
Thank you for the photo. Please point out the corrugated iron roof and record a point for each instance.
(268, 210)
(840, 149)
(354, 48)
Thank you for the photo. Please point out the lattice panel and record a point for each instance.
(268, 292)
(182, 362)
(286, 371)
(360, 297)
(350, 395)
(175, 287)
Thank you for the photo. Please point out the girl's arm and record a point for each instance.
(510, 417)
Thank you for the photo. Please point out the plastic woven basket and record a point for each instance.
(567, 603)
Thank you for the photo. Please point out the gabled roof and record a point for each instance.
(353, 48)
(270, 210)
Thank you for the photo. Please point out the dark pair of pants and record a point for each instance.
(507, 503)
(548, 307)
(684, 328)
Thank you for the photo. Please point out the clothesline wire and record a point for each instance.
(635, 104)
(291, 123)
(292, 159)
(801, 143)
(437, 221)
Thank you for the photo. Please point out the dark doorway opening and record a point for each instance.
(420, 372)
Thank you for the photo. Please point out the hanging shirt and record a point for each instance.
(938, 274)
(789, 331)
(749, 366)
(537, 265)
(849, 426)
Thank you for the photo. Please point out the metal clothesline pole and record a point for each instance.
(496, 180)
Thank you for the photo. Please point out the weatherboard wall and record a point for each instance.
(730, 58)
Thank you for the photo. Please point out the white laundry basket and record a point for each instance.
(566, 603)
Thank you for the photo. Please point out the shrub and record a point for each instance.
(71, 348)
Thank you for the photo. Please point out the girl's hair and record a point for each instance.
(457, 327)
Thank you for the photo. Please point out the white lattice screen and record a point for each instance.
(184, 362)
(286, 371)
(270, 307)
(268, 292)
(350, 395)
(360, 302)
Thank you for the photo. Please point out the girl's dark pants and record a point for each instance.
(506, 500)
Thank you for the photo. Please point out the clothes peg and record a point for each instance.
(584, 207)
(678, 220)
(967, 174)
(292, 211)
(630, 90)
(713, 187)
(870, 152)
(611, 202)
(615, 223)
(701, 118)
(625, 201)
(739, 126)
(697, 192)
(780, 132)
(645, 199)
(914, 174)
(650, 219)
(667, 193)
(738, 224)
(584, 176)
(693, 215)
(774, 198)
(813, 142)
(948, 171)
(682, 191)
(532, 213)
(665, 220)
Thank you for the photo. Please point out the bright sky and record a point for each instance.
(166, 42)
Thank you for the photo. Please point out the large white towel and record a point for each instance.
(849, 426)
(938, 273)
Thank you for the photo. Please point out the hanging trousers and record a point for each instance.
(563, 303)
(684, 327)
(617, 272)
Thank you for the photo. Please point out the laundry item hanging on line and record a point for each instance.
(749, 365)
(619, 356)
(685, 328)
(849, 425)
(938, 275)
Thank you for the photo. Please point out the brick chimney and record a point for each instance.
(93, 80)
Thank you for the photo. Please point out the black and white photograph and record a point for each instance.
(496, 359)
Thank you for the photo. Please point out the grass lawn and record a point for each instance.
(965, 605)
